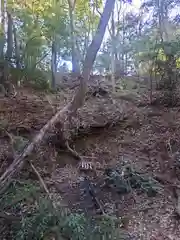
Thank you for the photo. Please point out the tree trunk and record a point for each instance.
(8, 86)
(75, 60)
(66, 113)
(113, 53)
(17, 50)
(53, 65)
(2, 33)
(123, 33)
(126, 64)
(9, 52)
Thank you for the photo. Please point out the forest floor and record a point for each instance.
(110, 131)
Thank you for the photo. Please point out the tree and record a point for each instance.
(9, 52)
(65, 114)
(75, 59)
(2, 33)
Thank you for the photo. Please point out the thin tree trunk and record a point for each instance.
(9, 52)
(66, 113)
(117, 59)
(17, 50)
(123, 47)
(75, 60)
(2, 34)
(53, 65)
(113, 53)
(126, 63)
(93, 31)
(9, 88)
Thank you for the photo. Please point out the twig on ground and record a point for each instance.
(42, 183)
(9, 217)
(91, 157)
(73, 152)
(169, 147)
(50, 103)
(14, 89)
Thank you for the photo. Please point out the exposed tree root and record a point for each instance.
(73, 152)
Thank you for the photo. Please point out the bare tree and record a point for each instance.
(65, 114)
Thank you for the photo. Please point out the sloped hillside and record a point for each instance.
(109, 132)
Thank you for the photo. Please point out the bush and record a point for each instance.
(38, 219)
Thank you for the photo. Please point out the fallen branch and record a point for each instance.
(19, 161)
(73, 152)
(51, 104)
(8, 217)
(43, 184)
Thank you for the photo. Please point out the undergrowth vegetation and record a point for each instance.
(31, 215)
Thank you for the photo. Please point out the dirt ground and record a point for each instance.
(109, 131)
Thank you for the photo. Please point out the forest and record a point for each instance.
(89, 119)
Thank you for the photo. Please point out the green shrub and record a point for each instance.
(38, 219)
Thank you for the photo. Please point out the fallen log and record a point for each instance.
(64, 116)
(19, 161)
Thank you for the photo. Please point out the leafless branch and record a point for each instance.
(42, 183)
